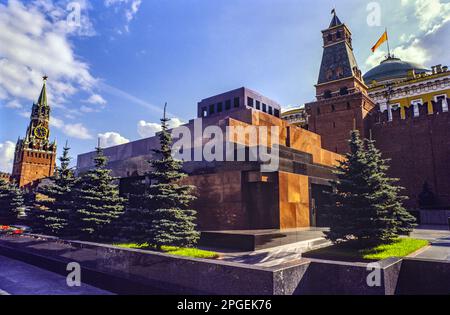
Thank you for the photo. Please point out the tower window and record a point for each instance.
(277, 112)
(338, 34)
(330, 37)
(343, 91)
(227, 105)
(327, 94)
(333, 108)
(318, 111)
(348, 105)
(250, 101)
(236, 102)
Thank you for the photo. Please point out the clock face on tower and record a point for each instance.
(41, 132)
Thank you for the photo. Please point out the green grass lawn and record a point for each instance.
(345, 252)
(177, 251)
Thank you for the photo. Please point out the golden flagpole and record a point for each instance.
(387, 41)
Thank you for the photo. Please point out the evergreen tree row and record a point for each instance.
(89, 207)
(78, 208)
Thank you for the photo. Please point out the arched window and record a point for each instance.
(327, 94)
(330, 37)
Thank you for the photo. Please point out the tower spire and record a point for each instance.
(335, 20)
(42, 101)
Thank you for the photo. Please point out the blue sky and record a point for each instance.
(110, 74)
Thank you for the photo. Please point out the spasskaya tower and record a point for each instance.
(35, 155)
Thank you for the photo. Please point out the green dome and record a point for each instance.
(391, 69)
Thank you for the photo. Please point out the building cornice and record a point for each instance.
(419, 80)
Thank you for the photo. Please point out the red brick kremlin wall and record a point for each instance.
(419, 149)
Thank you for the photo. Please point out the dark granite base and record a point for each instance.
(251, 240)
(127, 271)
(424, 277)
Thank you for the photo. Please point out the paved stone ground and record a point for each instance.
(18, 278)
(439, 236)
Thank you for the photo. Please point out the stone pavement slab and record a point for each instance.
(439, 237)
(18, 278)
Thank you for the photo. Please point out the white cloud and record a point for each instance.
(77, 130)
(111, 139)
(130, 13)
(87, 109)
(431, 14)
(96, 99)
(131, 9)
(14, 104)
(420, 43)
(25, 114)
(56, 122)
(413, 52)
(148, 129)
(6, 156)
(35, 41)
